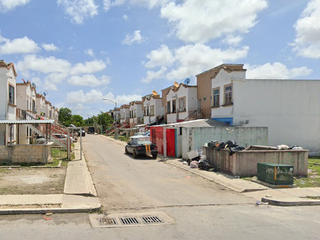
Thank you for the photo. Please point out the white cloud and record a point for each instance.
(200, 21)
(160, 57)
(307, 42)
(232, 40)
(125, 17)
(7, 5)
(43, 65)
(106, 5)
(144, 3)
(88, 67)
(89, 80)
(52, 79)
(18, 45)
(49, 47)
(93, 96)
(135, 38)
(154, 75)
(89, 52)
(192, 59)
(78, 10)
(275, 71)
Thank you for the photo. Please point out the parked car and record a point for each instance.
(91, 130)
(140, 145)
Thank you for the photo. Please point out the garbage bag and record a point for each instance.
(204, 165)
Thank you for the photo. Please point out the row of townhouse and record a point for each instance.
(290, 108)
(20, 101)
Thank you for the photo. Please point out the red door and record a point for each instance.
(171, 142)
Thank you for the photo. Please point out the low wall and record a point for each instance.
(244, 163)
(29, 153)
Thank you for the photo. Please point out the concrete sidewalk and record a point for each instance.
(79, 194)
(279, 197)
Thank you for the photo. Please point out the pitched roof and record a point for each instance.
(226, 67)
(3, 64)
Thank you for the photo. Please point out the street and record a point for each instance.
(199, 208)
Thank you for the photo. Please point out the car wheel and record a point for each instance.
(126, 150)
(154, 155)
(134, 154)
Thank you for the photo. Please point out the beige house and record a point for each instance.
(152, 108)
(136, 113)
(205, 92)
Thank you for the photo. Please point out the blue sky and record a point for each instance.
(81, 51)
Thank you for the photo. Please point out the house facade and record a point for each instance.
(40, 105)
(152, 108)
(136, 113)
(8, 102)
(125, 113)
(181, 102)
(289, 108)
(204, 83)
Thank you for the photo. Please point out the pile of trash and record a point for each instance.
(197, 160)
(231, 145)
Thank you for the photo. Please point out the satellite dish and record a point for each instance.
(45, 93)
(176, 84)
(187, 81)
(154, 93)
(33, 85)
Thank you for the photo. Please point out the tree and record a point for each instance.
(65, 116)
(104, 119)
(77, 120)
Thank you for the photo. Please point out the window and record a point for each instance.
(152, 110)
(182, 104)
(168, 107)
(216, 97)
(173, 106)
(228, 95)
(145, 111)
(11, 94)
(33, 105)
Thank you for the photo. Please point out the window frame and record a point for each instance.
(151, 112)
(174, 106)
(11, 101)
(185, 104)
(168, 107)
(214, 103)
(226, 97)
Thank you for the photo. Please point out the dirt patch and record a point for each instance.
(27, 180)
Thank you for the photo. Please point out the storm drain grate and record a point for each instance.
(107, 221)
(129, 220)
(151, 219)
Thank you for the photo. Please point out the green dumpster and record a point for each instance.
(276, 174)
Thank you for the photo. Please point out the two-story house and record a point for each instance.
(7, 102)
(136, 113)
(152, 108)
(125, 113)
(26, 109)
(48, 109)
(289, 108)
(40, 105)
(181, 103)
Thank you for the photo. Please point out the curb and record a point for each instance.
(287, 203)
(46, 210)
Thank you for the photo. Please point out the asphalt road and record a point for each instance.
(199, 208)
(124, 182)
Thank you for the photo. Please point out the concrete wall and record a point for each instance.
(244, 163)
(16, 154)
(196, 137)
(289, 108)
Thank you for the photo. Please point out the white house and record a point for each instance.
(289, 108)
(152, 108)
(40, 105)
(124, 113)
(48, 110)
(7, 101)
(181, 102)
(136, 113)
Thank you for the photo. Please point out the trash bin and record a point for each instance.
(276, 174)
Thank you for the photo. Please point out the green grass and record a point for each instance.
(123, 138)
(313, 179)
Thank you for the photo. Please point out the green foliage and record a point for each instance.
(104, 119)
(65, 116)
(77, 120)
